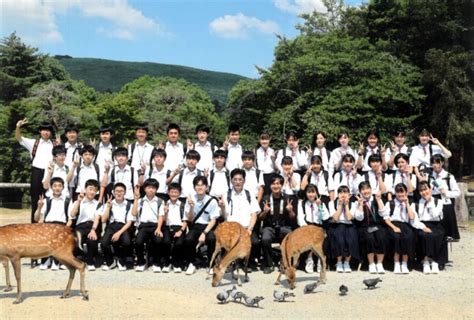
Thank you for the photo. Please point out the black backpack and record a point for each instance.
(48, 207)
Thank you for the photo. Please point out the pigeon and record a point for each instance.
(309, 288)
(239, 296)
(253, 302)
(232, 292)
(343, 290)
(223, 296)
(371, 283)
(281, 296)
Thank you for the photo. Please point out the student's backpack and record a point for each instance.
(35, 148)
(66, 207)
(127, 209)
(159, 203)
(78, 169)
(212, 174)
(97, 150)
(110, 186)
(366, 176)
(417, 204)
(180, 177)
(325, 175)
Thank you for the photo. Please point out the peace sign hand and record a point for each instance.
(41, 201)
(22, 122)
(266, 206)
(92, 142)
(109, 201)
(361, 147)
(434, 140)
(393, 147)
(289, 205)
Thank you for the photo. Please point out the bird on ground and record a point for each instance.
(371, 283)
(253, 302)
(343, 290)
(223, 296)
(232, 292)
(281, 296)
(309, 288)
(239, 296)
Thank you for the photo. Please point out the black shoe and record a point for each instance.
(267, 270)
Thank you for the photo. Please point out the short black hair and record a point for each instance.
(92, 183)
(291, 134)
(59, 149)
(372, 132)
(348, 158)
(201, 179)
(342, 134)
(142, 126)
(277, 177)
(343, 188)
(174, 186)
(374, 158)
(247, 154)
(237, 171)
(158, 152)
(193, 155)
(151, 182)
(422, 185)
(233, 127)
(400, 187)
(437, 158)
(106, 129)
(87, 148)
(120, 185)
(286, 160)
(310, 187)
(202, 127)
(316, 159)
(401, 156)
(71, 127)
(172, 126)
(121, 151)
(364, 184)
(220, 153)
(56, 179)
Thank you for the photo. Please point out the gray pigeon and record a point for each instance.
(343, 290)
(232, 292)
(253, 302)
(239, 296)
(309, 288)
(223, 296)
(371, 283)
(281, 296)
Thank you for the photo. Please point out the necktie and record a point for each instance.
(311, 206)
(424, 151)
(403, 179)
(402, 210)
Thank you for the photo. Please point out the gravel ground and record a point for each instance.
(129, 294)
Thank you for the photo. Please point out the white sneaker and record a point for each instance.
(380, 268)
(309, 268)
(372, 268)
(191, 269)
(166, 269)
(405, 268)
(156, 269)
(434, 267)
(339, 267)
(90, 267)
(211, 271)
(54, 266)
(107, 268)
(121, 267)
(62, 267)
(177, 269)
(140, 268)
(426, 267)
(46, 264)
(318, 268)
(347, 267)
(396, 268)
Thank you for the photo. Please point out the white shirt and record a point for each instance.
(104, 155)
(160, 176)
(400, 214)
(374, 183)
(300, 158)
(372, 204)
(287, 189)
(239, 209)
(341, 178)
(323, 153)
(252, 184)
(264, 160)
(441, 181)
(311, 213)
(44, 152)
(87, 211)
(125, 176)
(234, 157)
(318, 180)
(187, 187)
(85, 173)
(59, 172)
(388, 154)
(335, 163)
(397, 178)
(174, 213)
(148, 209)
(368, 152)
(56, 213)
(219, 185)
(141, 154)
(428, 211)
(212, 211)
(120, 212)
(421, 155)
(206, 152)
(72, 151)
(174, 155)
(342, 218)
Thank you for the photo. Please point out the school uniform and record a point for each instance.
(206, 151)
(343, 237)
(325, 184)
(399, 149)
(173, 247)
(325, 155)
(371, 177)
(371, 227)
(174, 155)
(55, 209)
(253, 181)
(343, 178)
(430, 215)
(86, 172)
(185, 179)
(161, 176)
(119, 215)
(421, 155)
(367, 153)
(335, 162)
(58, 172)
(198, 224)
(398, 177)
(104, 155)
(126, 175)
(147, 217)
(72, 152)
(264, 162)
(40, 162)
(141, 154)
(310, 213)
(300, 159)
(234, 156)
(88, 211)
(219, 182)
(445, 180)
(290, 191)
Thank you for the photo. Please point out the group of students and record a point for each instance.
(161, 203)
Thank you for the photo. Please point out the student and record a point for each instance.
(72, 144)
(420, 158)
(317, 176)
(397, 146)
(343, 236)
(241, 206)
(203, 147)
(84, 170)
(57, 168)
(254, 182)
(292, 150)
(87, 215)
(174, 149)
(219, 178)
(312, 211)
(337, 155)
(173, 229)
(265, 160)
(445, 187)
(118, 216)
(184, 177)
(202, 216)
(370, 212)
(41, 154)
(431, 236)
(318, 148)
(105, 149)
(403, 175)
(369, 148)
(278, 218)
(146, 210)
(158, 171)
(400, 217)
(233, 148)
(53, 208)
(379, 181)
(292, 180)
(347, 176)
(140, 151)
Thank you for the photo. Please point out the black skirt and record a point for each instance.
(344, 241)
(431, 244)
(449, 222)
(404, 242)
(371, 240)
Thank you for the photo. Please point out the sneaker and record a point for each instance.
(211, 271)
(191, 269)
(339, 267)
(267, 270)
(109, 267)
(309, 268)
(62, 267)
(121, 267)
(380, 268)
(177, 270)
(426, 267)
(347, 267)
(372, 268)
(405, 268)
(396, 268)
(166, 269)
(105, 267)
(434, 267)
(140, 268)
(45, 265)
(90, 267)
(54, 266)
(156, 269)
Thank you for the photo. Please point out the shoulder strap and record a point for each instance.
(35, 148)
(97, 170)
(227, 177)
(392, 207)
(168, 174)
(48, 207)
(112, 176)
(181, 209)
(212, 174)
(328, 153)
(67, 201)
(202, 210)
(180, 177)
(247, 194)
(132, 171)
(366, 176)
(67, 168)
(132, 149)
(229, 196)
(448, 181)
(257, 173)
(97, 148)
(326, 177)
(303, 205)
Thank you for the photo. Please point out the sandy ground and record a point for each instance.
(129, 294)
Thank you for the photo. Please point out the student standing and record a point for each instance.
(233, 148)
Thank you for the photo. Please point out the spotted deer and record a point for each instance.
(235, 240)
(38, 241)
(294, 244)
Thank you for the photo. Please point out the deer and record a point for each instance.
(38, 241)
(305, 238)
(235, 240)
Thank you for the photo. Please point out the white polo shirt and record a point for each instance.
(56, 213)
(87, 211)
(264, 160)
(44, 152)
(234, 156)
(58, 172)
(239, 209)
(141, 154)
(174, 213)
(119, 213)
(174, 155)
(206, 152)
(148, 210)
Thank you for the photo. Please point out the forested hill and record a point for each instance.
(108, 75)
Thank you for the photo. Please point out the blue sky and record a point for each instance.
(219, 35)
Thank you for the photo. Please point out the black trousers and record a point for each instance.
(36, 189)
(92, 245)
(373, 242)
(344, 241)
(146, 236)
(122, 248)
(192, 238)
(172, 248)
(431, 244)
(404, 242)
(272, 235)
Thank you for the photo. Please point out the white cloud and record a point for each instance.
(239, 26)
(35, 20)
(300, 6)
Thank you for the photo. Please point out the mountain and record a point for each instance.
(108, 75)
